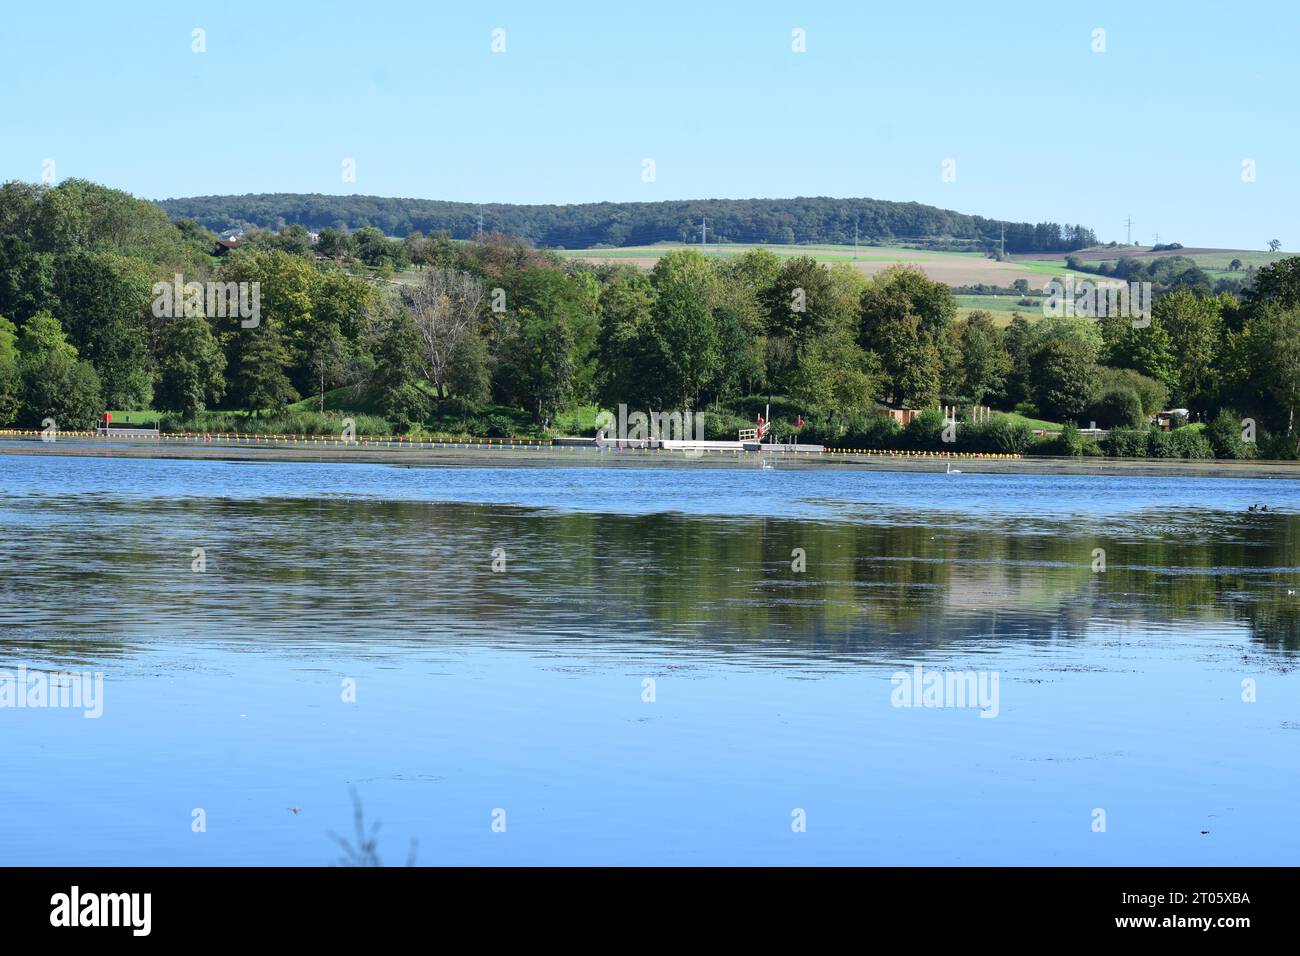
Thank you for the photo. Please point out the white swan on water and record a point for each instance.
(952, 471)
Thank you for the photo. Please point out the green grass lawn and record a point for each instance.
(578, 420)
(336, 400)
(1031, 422)
(1046, 267)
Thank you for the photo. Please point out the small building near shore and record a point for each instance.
(903, 416)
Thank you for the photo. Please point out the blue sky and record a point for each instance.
(1040, 126)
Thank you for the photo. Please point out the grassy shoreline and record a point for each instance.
(472, 455)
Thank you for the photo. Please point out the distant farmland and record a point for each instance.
(1214, 262)
(951, 268)
(1001, 307)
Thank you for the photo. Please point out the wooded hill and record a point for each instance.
(584, 226)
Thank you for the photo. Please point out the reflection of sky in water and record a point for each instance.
(522, 689)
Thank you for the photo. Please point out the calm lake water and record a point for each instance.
(647, 675)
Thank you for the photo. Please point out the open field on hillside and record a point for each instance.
(1001, 307)
(1213, 261)
(951, 268)
(1205, 256)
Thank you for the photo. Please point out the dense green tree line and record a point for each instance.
(582, 226)
(498, 323)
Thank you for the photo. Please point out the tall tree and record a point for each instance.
(397, 375)
(334, 243)
(1146, 349)
(26, 279)
(907, 289)
(10, 378)
(741, 340)
(757, 269)
(286, 297)
(905, 319)
(444, 308)
(327, 356)
(985, 362)
(538, 366)
(1196, 342)
(1272, 343)
(1019, 342)
(683, 319)
(837, 375)
(1063, 377)
(629, 349)
(801, 301)
(1277, 283)
(261, 379)
(55, 384)
(104, 299)
(191, 367)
